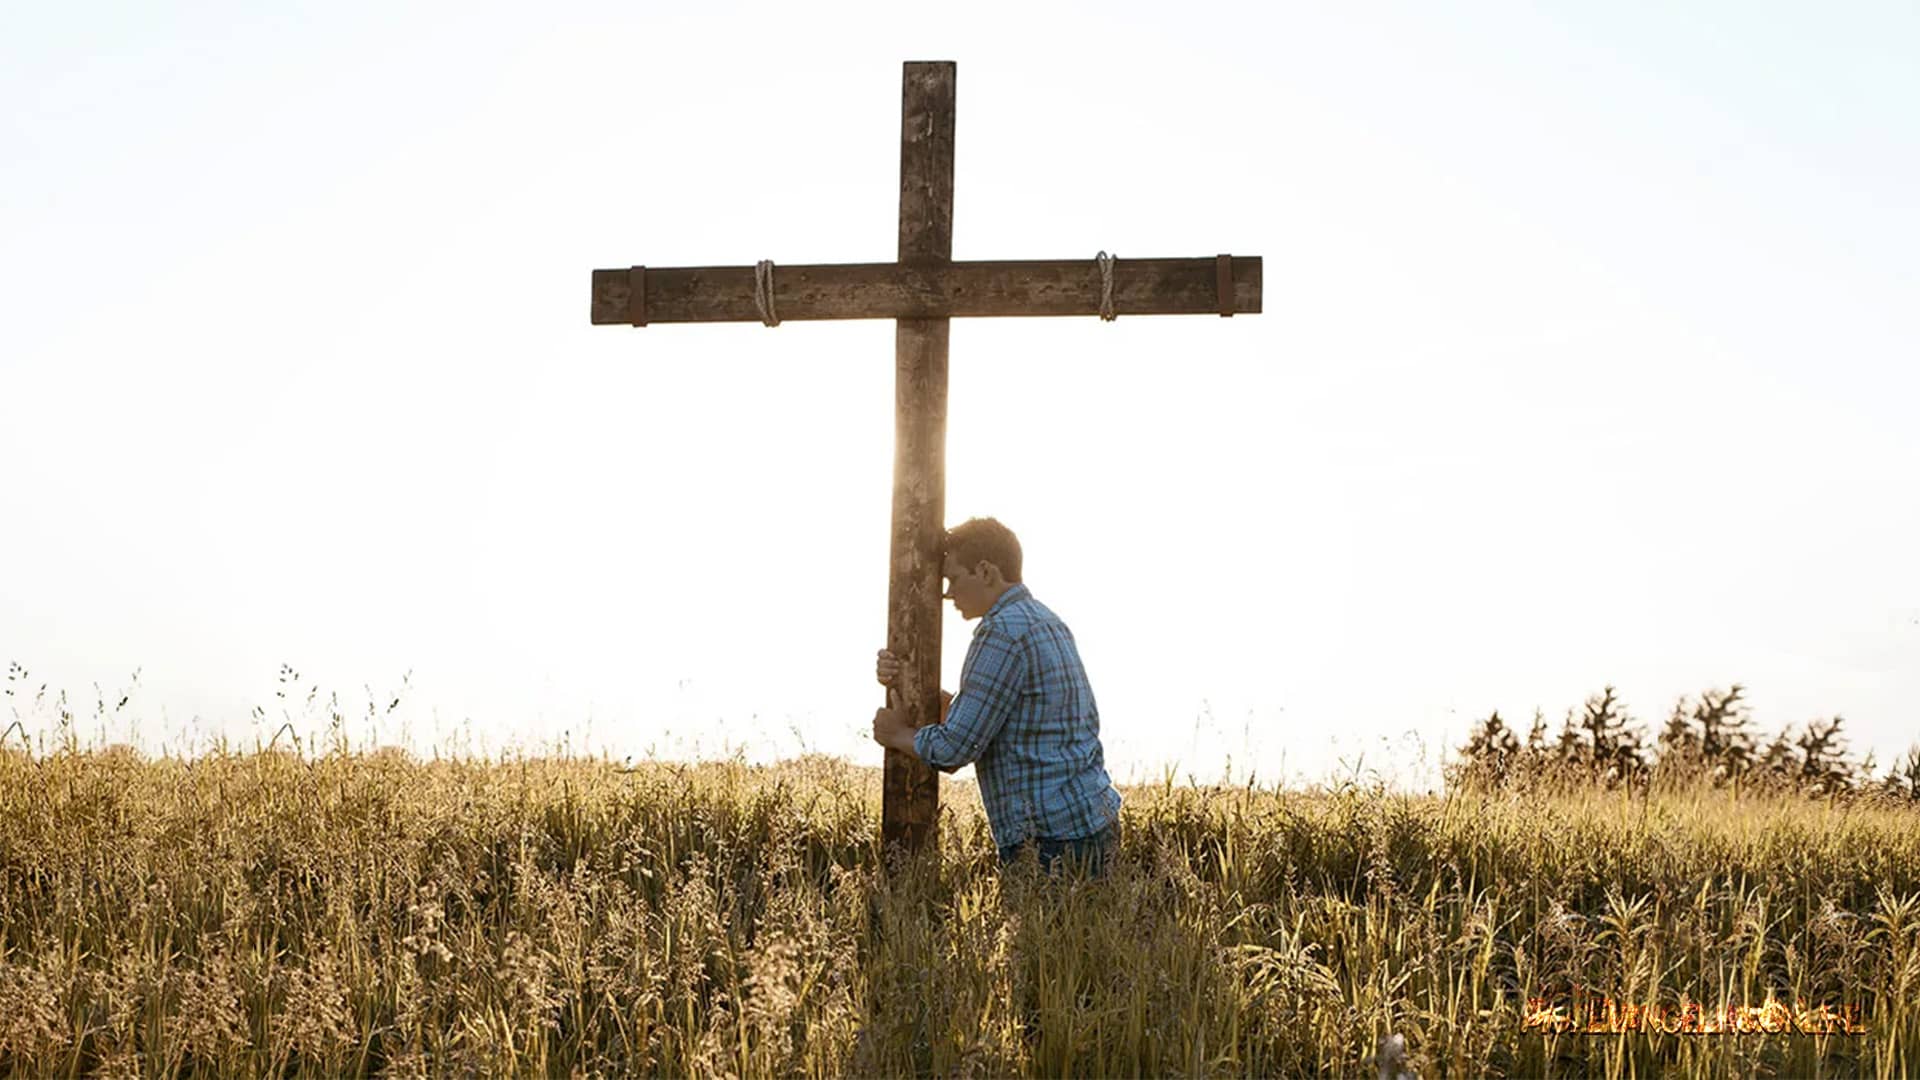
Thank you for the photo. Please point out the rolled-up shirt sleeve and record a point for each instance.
(990, 685)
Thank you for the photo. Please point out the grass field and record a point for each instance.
(265, 913)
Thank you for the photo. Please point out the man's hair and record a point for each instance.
(985, 538)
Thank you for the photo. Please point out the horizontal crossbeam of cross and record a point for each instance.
(640, 296)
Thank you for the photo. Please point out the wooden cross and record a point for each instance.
(921, 290)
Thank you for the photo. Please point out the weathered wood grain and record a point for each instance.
(910, 789)
(919, 288)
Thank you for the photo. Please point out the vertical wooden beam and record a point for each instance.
(910, 793)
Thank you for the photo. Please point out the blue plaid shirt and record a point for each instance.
(1025, 715)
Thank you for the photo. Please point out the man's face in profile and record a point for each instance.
(969, 590)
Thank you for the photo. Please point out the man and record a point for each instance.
(1024, 713)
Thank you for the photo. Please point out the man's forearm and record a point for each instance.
(891, 730)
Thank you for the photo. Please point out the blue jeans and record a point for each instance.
(1093, 853)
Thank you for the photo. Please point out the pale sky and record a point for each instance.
(1588, 357)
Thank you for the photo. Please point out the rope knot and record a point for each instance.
(1105, 262)
(763, 292)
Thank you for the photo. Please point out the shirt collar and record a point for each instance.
(1018, 592)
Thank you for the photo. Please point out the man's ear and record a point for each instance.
(989, 572)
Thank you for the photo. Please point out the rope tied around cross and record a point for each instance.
(763, 292)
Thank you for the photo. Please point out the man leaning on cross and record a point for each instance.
(1024, 713)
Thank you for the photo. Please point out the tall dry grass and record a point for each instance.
(264, 913)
